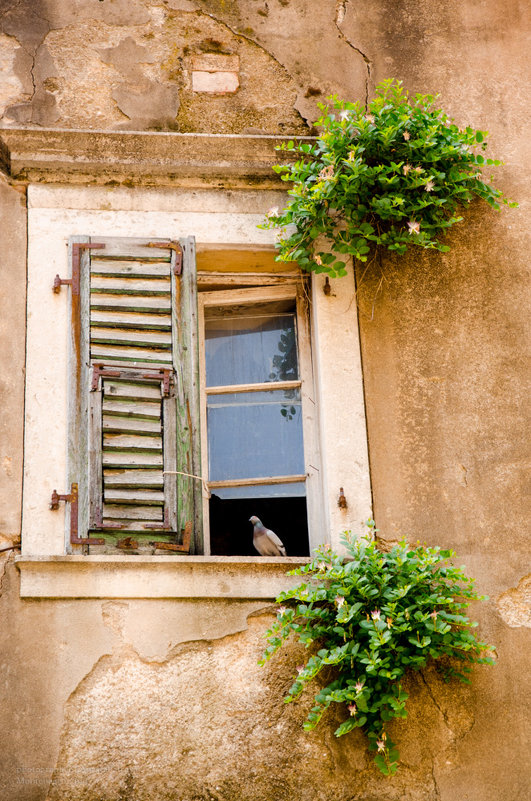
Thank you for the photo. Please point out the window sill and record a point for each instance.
(77, 576)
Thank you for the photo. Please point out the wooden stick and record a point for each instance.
(251, 482)
(265, 387)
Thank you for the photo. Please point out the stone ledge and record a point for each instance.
(112, 158)
(245, 577)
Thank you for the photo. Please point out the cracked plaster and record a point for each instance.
(133, 72)
(205, 721)
(514, 605)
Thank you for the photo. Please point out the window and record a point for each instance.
(149, 478)
(258, 416)
(61, 422)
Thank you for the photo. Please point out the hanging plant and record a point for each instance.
(397, 175)
(369, 619)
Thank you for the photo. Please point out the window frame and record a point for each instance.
(298, 292)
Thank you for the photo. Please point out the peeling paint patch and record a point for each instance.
(514, 605)
(11, 88)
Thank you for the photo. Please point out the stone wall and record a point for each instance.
(109, 700)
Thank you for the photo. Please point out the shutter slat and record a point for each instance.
(138, 269)
(123, 318)
(147, 513)
(131, 408)
(131, 338)
(127, 354)
(129, 285)
(126, 425)
(131, 390)
(149, 303)
(132, 479)
(133, 461)
(131, 249)
(136, 497)
(132, 444)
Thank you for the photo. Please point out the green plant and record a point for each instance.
(369, 618)
(395, 175)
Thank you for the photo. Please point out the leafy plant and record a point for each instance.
(369, 618)
(395, 175)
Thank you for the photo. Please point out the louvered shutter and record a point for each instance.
(137, 419)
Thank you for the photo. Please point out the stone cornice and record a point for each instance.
(128, 158)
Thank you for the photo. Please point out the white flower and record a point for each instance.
(414, 227)
(352, 708)
(273, 212)
(406, 168)
(343, 115)
(369, 117)
(326, 173)
(376, 614)
(358, 686)
(380, 745)
(406, 135)
(339, 600)
(318, 260)
(281, 610)
(429, 185)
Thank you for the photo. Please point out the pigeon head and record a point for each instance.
(254, 520)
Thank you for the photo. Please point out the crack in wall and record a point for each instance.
(434, 779)
(436, 704)
(3, 568)
(341, 12)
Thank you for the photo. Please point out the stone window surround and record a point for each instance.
(54, 213)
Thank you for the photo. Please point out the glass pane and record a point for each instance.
(297, 490)
(255, 434)
(251, 349)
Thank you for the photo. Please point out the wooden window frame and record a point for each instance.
(290, 290)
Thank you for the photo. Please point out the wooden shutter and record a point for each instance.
(138, 395)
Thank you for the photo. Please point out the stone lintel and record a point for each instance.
(77, 576)
(128, 158)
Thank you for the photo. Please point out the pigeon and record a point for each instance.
(266, 541)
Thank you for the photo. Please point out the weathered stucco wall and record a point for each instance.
(12, 356)
(152, 699)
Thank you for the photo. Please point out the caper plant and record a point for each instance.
(370, 617)
(397, 175)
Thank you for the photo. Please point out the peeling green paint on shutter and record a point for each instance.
(138, 370)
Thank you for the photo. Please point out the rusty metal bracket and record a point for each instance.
(184, 547)
(74, 282)
(162, 375)
(73, 499)
(99, 369)
(177, 252)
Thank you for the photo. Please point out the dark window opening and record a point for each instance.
(231, 533)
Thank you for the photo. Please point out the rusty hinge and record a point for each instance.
(127, 544)
(177, 252)
(73, 499)
(164, 376)
(133, 374)
(76, 261)
(184, 547)
(98, 521)
(97, 370)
